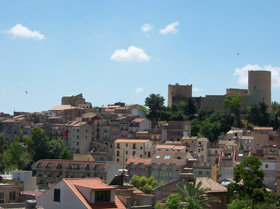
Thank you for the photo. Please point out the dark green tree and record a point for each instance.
(275, 109)
(233, 103)
(155, 102)
(2, 152)
(55, 147)
(17, 156)
(248, 177)
(37, 144)
(144, 184)
(210, 130)
(65, 154)
(258, 114)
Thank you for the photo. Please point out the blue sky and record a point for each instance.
(125, 50)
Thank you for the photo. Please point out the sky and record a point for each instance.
(125, 50)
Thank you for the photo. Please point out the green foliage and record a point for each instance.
(173, 201)
(38, 145)
(234, 102)
(211, 124)
(155, 102)
(17, 156)
(65, 154)
(2, 152)
(194, 190)
(55, 147)
(158, 206)
(144, 184)
(192, 204)
(258, 114)
(248, 177)
(238, 204)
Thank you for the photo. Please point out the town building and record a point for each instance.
(81, 193)
(52, 171)
(126, 147)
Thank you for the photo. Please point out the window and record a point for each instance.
(77, 143)
(126, 152)
(126, 144)
(133, 153)
(149, 154)
(134, 146)
(56, 195)
(141, 147)
(2, 197)
(118, 153)
(167, 157)
(158, 156)
(118, 146)
(78, 130)
(200, 173)
(102, 196)
(12, 195)
(266, 165)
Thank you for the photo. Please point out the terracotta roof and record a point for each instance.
(173, 147)
(137, 120)
(208, 183)
(131, 141)
(60, 107)
(75, 123)
(202, 140)
(95, 184)
(54, 162)
(136, 160)
(168, 157)
(263, 128)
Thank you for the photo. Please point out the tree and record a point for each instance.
(65, 154)
(248, 177)
(144, 184)
(258, 114)
(2, 141)
(55, 147)
(17, 157)
(237, 204)
(193, 191)
(275, 109)
(173, 201)
(234, 102)
(156, 103)
(37, 144)
(210, 130)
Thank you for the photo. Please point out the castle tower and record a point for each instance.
(259, 86)
(177, 93)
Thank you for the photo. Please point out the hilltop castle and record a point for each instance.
(259, 90)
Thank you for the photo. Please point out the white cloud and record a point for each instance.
(139, 90)
(146, 27)
(242, 74)
(24, 32)
(171, 28)
(132, 54)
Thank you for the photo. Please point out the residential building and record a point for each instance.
(9, 193)
(138, 166)
(167, 165)
(175, 148)
(27, 180)
(177, 129)
(52, 171)
(138, 124)
(80, 193)
(79, 136)
(126, 147)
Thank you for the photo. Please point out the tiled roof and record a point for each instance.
(95, 184)
(136, 160)
(167, 157)
(131, 141)
(60, 107)
(202, 140)
(137, 120)
(208, 183)
(75, 123)
(174, 147)
(54, 162)
(263, 128)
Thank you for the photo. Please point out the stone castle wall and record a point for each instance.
(259, 83)
(73, 100)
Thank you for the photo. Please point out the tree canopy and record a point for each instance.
(234, 102)
(144, 184)
(248, 177)
(155, 102)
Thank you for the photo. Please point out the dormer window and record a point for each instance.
(102, 196)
